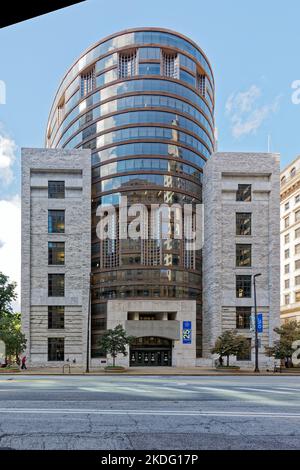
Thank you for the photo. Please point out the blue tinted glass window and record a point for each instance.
(149, 53)
(149, 69)
(187, 77)
(147, 148)
(137, 164)
(106, 62)
(145, 179)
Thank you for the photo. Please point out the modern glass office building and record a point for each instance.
(143, 101)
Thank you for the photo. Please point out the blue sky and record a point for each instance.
(253, 47)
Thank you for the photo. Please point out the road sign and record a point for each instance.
(186, 332)
(260, 323)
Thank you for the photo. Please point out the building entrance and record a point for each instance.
(151, 352)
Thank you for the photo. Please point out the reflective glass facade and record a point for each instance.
(143, 102)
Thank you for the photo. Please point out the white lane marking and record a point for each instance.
(156, 388)
(173, 389)
(289, 388)
(89, 389)
(264, 390)
(213, 389)
(131, 389)
(178, 383)
(229, 414)
(121, 388)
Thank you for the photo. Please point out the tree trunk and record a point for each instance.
(114, 361)
(228, 361)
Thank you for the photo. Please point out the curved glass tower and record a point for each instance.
(143, 101)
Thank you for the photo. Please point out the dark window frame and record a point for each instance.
(244, 193)
(56, 311)
(54, 288)
(56, 189)
(54, 252)
(242, 260)
(286, 269)
(55, 216)
(56, 352)
(243, 286)
(243, 318)
(99, 323)
(242, 225)
(246, 357)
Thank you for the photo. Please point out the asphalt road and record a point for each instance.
(149, 412)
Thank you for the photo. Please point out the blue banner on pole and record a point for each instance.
(260, 323)
(186, 332)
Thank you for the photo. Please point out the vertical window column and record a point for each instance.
(87, 82)
(201, 84)
(170, 64)
(127, 64)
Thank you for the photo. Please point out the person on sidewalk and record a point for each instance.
(23, 366)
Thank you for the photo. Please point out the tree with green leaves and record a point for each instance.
(10, 322)
(282, 348)
(114, 342)
(230, 343)
(11, 334)
(7, 294)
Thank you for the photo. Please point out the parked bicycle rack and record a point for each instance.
(68, 366)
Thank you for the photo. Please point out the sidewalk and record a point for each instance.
(162, 371)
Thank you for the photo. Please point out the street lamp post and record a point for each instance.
(256, 332)
(87, 369)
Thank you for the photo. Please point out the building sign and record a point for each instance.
(187, 332)
(260, 323)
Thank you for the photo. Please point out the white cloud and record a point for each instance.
(242, 102)
(244, 112)
(10, 241)
(7, 158)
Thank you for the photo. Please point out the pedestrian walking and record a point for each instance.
(23, 366)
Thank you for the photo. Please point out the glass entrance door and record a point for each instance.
(151, 352)
(151, 358)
